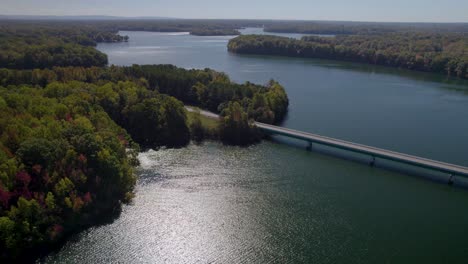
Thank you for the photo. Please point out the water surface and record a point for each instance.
(276, 204)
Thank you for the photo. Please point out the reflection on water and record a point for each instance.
(368, 69)
(273, 203)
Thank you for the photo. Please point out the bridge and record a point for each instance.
(373, 152)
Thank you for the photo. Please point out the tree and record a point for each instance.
(235, 128)
(196, 128)
(158, 121)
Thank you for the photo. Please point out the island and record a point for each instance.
(430, 52)
(215, 32)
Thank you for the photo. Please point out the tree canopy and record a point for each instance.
(71, 128)
(63, 162)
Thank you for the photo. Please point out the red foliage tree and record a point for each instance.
(4, 198)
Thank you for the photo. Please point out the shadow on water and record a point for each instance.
(104, 217)
(392, 166)
(450, 83)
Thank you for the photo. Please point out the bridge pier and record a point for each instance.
(368, 151)
(309, 146)
(450, 180)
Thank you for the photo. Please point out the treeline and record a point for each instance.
(21, 55)
(214, 32)
(280, 26)
(205, 88)
(171, 25)
(440, 53)
(361, 28)
(39, 46)
(69, 32)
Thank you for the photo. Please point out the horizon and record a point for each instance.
(397, 11)
(115, 17)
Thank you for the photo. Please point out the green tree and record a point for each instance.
(196, 128)
(235, 127)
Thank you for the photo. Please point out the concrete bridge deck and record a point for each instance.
(452, 169)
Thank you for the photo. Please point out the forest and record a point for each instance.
(215, 32)
(445, 53)
(71, 128)
(362, 28)
(25, 46)
(69, 139)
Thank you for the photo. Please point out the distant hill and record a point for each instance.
(95, 17)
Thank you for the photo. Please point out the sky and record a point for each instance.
(344, 10)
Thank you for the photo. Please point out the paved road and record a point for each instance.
(202, 112)
(354, 147)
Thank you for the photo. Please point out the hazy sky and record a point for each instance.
(356, 10)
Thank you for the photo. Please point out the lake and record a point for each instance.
(277, 203)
